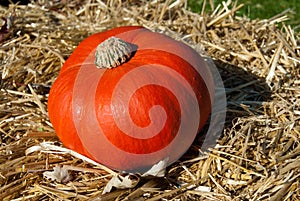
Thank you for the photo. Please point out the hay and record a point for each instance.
(257, 157)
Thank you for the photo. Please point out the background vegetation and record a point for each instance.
(259, 9)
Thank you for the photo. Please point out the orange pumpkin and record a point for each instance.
(145, 102)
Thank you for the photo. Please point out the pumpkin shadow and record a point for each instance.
(245, 94)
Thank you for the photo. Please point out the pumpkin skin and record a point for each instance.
(131, 117)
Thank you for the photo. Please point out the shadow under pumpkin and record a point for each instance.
(245, 94)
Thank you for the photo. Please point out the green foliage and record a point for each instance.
(261, 9)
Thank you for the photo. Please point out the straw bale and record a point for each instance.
(257, 157)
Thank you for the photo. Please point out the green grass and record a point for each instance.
(261, 9)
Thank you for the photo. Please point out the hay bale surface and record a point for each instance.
(257, 157)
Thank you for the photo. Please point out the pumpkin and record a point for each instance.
(129, 98)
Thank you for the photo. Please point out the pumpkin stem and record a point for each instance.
(112, 53)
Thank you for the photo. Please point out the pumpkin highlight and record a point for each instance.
(135, 108)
